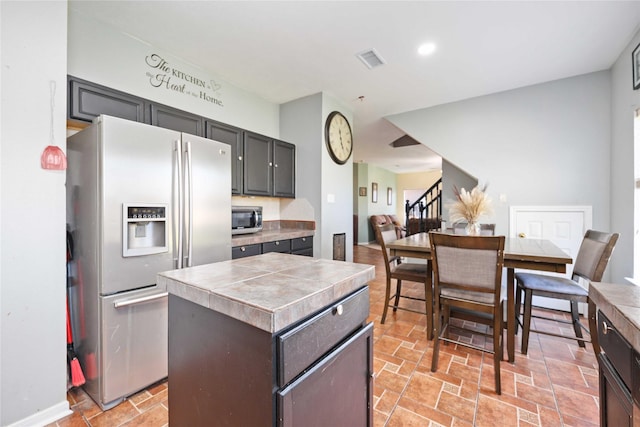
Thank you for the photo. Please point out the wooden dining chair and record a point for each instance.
(467, 274)
(399, 270)
(591, 261)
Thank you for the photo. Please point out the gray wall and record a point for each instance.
(547, 144)
(32, 214)
(336, 217)
(323, 183)
(453, 176)
(301, 121)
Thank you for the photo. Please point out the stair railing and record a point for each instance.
(428, 205)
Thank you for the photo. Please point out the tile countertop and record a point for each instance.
(269, 291)
(621, 304)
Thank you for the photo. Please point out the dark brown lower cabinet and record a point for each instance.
(616, 406)
(616, 376)
(298, 246)
(333, 392)
(317, 372)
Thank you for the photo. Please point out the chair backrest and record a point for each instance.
(468, 262)
(386, 233)
(594, 254)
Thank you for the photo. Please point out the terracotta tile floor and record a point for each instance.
(556, 384)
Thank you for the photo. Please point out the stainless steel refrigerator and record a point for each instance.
(141, 199)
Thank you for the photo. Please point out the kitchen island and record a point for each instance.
(619, 362)
(273, 339)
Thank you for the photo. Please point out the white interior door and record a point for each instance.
(563, 225)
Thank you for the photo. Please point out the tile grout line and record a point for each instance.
(404, 389)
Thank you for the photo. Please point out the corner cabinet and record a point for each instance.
(234, 137)
(284, 171)
(269, 166)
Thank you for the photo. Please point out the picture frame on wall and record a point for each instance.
(362, 191)
(389, 196)
(374, 192)
(635, 62)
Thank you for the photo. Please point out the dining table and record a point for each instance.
(521, 253)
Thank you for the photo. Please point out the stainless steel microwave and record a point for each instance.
(246, 219)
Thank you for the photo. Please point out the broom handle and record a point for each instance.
(69, 334)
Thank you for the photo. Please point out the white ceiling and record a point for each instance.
(286, 50)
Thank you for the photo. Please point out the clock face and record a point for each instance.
(339, 138)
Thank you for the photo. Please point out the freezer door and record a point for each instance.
(134, 340)
(137, 166)
(207, 169)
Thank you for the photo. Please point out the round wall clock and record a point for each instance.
(338, 137)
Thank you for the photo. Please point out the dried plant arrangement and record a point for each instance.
(469, 206)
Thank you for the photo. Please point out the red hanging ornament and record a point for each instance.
(53, 158)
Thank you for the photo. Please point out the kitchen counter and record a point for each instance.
(269, 291)
(621, 304)
(270, 236)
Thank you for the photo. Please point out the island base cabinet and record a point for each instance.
(335, 392)
(225, 372)
(220, 369)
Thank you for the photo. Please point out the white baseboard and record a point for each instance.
(44, 417)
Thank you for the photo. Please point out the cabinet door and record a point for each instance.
(616, 406)
(282, 246)
(302, 246)
(170, 118)
(337, 391)
(87, 101)
(232, 136)
(258, 170)
(284, 169)
(245, 251)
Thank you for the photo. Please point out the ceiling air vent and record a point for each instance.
(370, 58)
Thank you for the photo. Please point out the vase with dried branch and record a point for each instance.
(470, 206)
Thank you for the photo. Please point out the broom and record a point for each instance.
(77, 377)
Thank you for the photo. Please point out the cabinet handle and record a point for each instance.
(270, 164)
(339, 310)
(605, 328)
(242, 249)
(239, 157)
(304, 239)
(522, 235)
(276, 165)
(277, 243)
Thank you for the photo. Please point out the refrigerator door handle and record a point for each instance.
(180, 225)
(189, 215)
(132, 301)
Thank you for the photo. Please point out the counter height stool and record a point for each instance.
(409, 271)
(591, 261)
(467, 274)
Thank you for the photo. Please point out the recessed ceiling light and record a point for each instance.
(427, 49)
